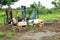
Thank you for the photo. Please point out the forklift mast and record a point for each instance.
(23, 9)
(35, 14)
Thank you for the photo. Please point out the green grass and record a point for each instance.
(1, 34)
(2, 19)
(10, 34)
(50, 16)
(31, 27)
(42, 16)
(2, 12)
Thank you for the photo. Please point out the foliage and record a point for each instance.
(35, 5)
(38, 7)
(43, 10)
(56, 3)
(1, 34)
(5, 2)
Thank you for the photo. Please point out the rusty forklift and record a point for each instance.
(20, 19)
(23, 21)
(34, 19)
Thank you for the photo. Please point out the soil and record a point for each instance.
(47, 32)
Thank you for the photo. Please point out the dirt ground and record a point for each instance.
(48, 32)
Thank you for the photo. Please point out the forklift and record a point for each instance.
(34, 19)
(21, 24)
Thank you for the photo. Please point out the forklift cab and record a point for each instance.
(34, 20)
(35, 15)
(19, 21)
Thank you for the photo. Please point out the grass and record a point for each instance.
(42, 16)
(31, 27)
(2, 13)
(2, 19)
(10, 34)
(1, 34)
(50, 16)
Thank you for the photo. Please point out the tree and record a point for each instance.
(38, 6)
(7, 2)
(35, 6)
(56, 3)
